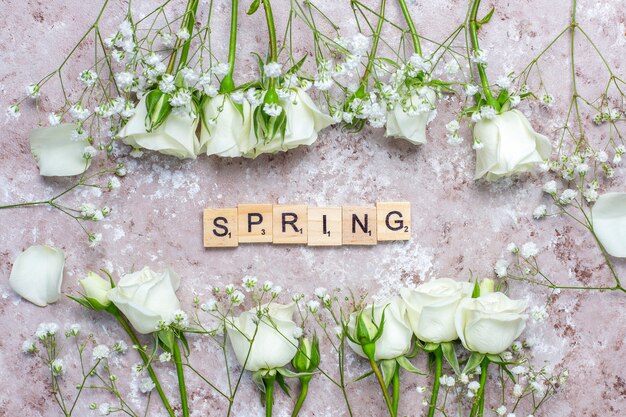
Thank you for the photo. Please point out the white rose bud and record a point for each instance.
(224, 130)
(96, 288)
(396, 337)
(274, 344)
(609, 222)
(56, 152)
(431, 308)
(176, 136)
(146, 298)
(37, 274)
(490, 323)
(409, 126)
(304, 121)
(510, 146)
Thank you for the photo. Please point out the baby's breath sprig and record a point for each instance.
(87, 211)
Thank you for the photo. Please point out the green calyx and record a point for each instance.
(158, 108)
(307, 357)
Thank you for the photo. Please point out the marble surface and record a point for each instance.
(461, 227)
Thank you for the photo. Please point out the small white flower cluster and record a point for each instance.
(122, 43)
(89, 211)
(46, 330)
(453, 132)
(609, 115)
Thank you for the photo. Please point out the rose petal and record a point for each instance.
(55, 151)
(608, 217)
(37, 274)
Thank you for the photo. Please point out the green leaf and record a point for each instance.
(257, 378)
(506, 370)
(388, 367)
(167, 340)
(407, 365)
(296, 66)
(488, 17)
(476, 291)
(450, 354)
(183, 339)
(254, 7)
(81, 301)
(282, 384)
(157, 109)
(290, 374)
(430, 347)
(104, 271)
(414, 349)
(498, 359)
(472, 363)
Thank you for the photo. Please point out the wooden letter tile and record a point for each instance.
(393, 221)
(325, 225)
(359, 225)
(255, 223)
(290, 224)
(220, 228)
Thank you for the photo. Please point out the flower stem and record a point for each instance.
(271, 30)
(228, 84)
(304, 390)
(376, 37)
(411, 25)
(479, 405)
(188, 22)
(396, 390)
(473, 28)
(268, 381)
(144, 357)
(383, 388)
(181, 378)
(438, 368)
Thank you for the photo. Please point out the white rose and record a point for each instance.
(490, 323)
(274, 344)
(509, 145)
(96, 288)
(56, 152)
(146, 298)
(176, 136)
(431, 308)
(37, 274)
(608, 217)
(224, 130)
(304, 121)
(408, 125)
(395, 340)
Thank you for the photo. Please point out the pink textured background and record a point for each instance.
(459, 225)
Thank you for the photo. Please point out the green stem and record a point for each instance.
(473, 27)
(32, 203)
(411, 25)
(304, 390)
(268, 381)
(185, 25)
(396, 390)
(479, 405)
(376, 37)
(573, 26)
(189, 22)
(146, 361)
(381, 382)
(181, 378)
(438, 368)
(228, 84)
(271, 30)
